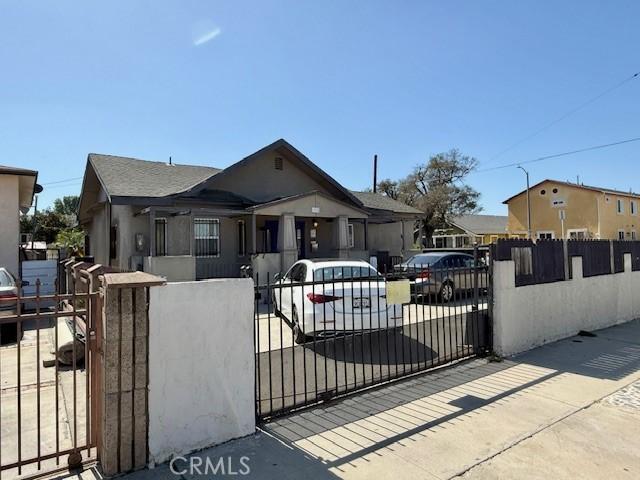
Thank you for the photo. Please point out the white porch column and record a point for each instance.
(287, 240)
(341, 236)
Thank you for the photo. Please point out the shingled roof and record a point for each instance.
(377, 201)
(132, 177)
(481, 224)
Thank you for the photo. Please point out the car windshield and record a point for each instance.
(426, 259)
(346, 272)
(6, 280)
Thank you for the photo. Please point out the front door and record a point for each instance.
(300, 239)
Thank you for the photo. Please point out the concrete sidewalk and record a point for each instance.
(565, 410)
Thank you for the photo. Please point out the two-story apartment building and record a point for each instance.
(575, 211)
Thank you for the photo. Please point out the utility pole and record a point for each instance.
(528, 202)
(375, 173)
(35, 221)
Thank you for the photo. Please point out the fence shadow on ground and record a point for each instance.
(611, 354)
(347, 429)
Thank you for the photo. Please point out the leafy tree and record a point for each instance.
(72, 239)
(67, 205)
(437, 188)
(45, 225)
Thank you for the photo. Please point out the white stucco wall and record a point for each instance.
(530, 316)
(201, 365)
(9, 222)
(174, 268)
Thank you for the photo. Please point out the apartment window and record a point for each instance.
(242, 238)
(161, 236)
(546, 235)
(620, 234)
(206, 233)
(620, 205)
(634, 207)
(351, 236)
(579, 234)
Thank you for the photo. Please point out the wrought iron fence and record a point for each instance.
(46, 412)
(327, 330)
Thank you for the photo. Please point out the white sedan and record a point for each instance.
(319, 297)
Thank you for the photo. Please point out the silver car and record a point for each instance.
(441, 273)
(8, 292)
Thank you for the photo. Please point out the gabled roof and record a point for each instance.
(132, 177)
(378, 201)
(281, 144)
(481, 224)
(576, 185)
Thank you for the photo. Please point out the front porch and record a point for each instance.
(199, 243)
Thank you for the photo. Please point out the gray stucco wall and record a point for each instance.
(260, 181)
(388, 237)
(98, 230)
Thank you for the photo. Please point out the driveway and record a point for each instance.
(55, 429)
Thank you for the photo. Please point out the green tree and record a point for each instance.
(438, 188)
(72, 239)
(46, 224)
(67, 205)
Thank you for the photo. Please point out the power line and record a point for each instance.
(65, 185)
(62, 181)
(556, 155)
(570, 112)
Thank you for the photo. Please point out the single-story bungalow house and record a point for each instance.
(266, 211)
(465, 230)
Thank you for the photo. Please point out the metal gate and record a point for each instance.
(48, 371)
(324, 331)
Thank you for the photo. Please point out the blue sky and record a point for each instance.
(208, 82)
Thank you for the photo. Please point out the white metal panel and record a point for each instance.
(47, 272)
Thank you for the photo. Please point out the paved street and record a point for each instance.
(564, 411)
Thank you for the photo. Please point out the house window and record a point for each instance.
(633, 235)
(242, 238)
(620, 205)
(161, 236)
(206, 232)
(620, 234)
(278, 163)
(351, 235)
(634, 207)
